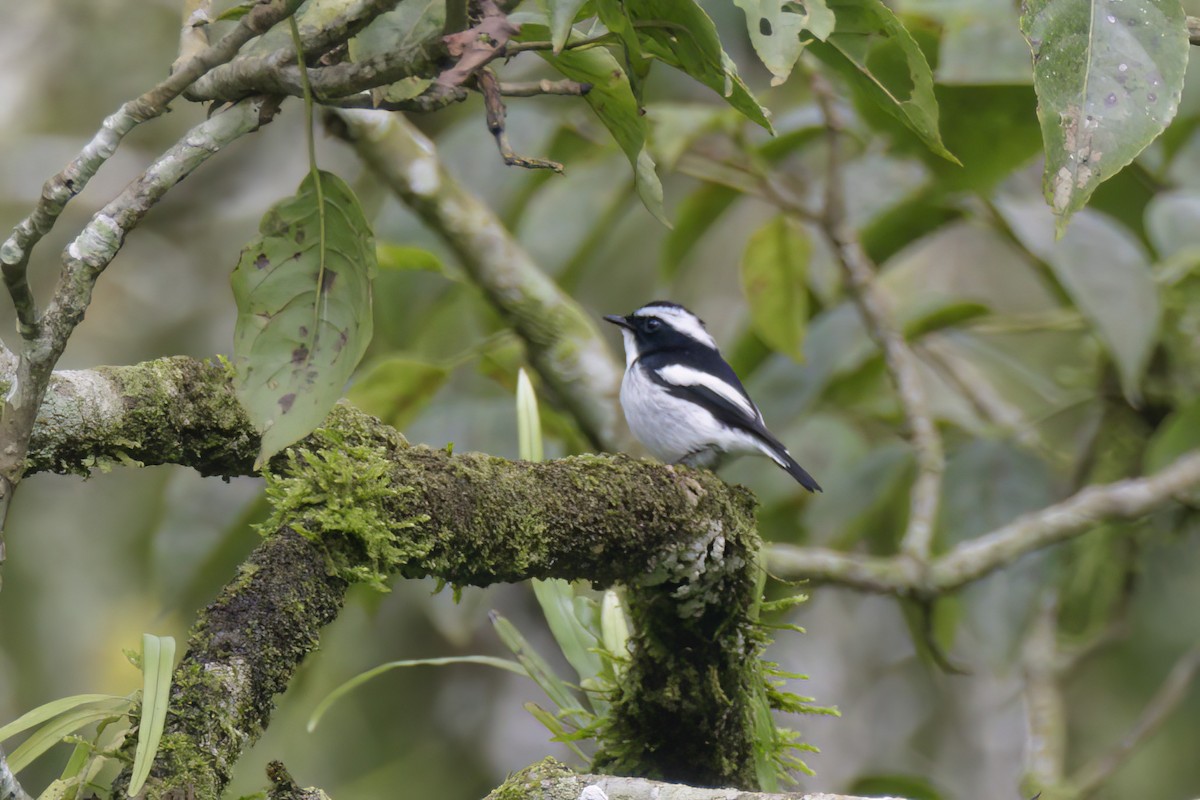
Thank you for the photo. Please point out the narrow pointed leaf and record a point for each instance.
(48, 711)
(578, 644)
(529, 426)
(363, 677)
(1109, 76)
(537, 667)
(53, 732)
(561, 14)
(158, 657)
(556, 727)
(303, 291)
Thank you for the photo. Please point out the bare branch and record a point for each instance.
(1170, 694)
(494, 107)
(901, 362)
(563, 343)
(974, 559)
(1045, 708)
(535, 88)
(550, 780)
(193, 35)
(58, 191)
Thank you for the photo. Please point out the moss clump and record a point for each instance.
(517, 785)
(338, 494)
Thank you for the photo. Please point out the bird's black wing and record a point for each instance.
(743, 416)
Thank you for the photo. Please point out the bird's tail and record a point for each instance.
(784, 459)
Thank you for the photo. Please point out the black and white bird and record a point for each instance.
(682, 401)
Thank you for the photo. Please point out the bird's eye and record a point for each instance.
(653, 324)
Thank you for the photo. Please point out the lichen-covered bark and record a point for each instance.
(355, 500)
(241, 653)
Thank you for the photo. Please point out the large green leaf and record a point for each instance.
(613, 101)
(775, 27)
(1109, 76)
(679, 33)
(561, 14)
(1107, 273)
(774, 278)
(303, 291)
(873, 50)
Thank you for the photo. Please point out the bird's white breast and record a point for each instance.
(672, 428)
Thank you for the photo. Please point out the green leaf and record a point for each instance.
(556, 727)
(303, 290)
(872, 50)
(48, 711)
(612, 99)
(52, 733)
(774, 279)
(680, 34)
(396, 388)
(982, 46)
(1109, 76)
(403, 258)
(775, 27)
(614, 628)
(158, 657)
(697, 213)
(1172, 222)
(363, 677)
(537, 667)
(578, 644)
(562, 14)
(529, 426)
(1178, 434)
(1106, 272)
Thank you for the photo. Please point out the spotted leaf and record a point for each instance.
(303, 291)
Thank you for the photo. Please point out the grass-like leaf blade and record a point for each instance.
(358, 680)
(158, 657)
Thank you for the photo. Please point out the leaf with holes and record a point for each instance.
(774, 279)
(1108, 75)
(611, 98)
(877, 55)
(679, 33)
(303, 291)
(775, 27)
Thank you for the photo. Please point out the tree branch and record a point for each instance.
(550, 780)
(978, 557)
(899, 358)
(563, 343)
(58, 191)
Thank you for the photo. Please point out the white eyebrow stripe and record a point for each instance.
(683, 321)
(681, 375)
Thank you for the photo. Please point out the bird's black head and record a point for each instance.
(663, 325)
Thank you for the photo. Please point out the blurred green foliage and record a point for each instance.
(1051, 364)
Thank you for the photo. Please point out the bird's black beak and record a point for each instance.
(620, 321)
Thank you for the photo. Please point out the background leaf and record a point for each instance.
(1109, 76)
(304, 311)
(775, 27)
(872, 50)
(1106, 272)
(774, 272)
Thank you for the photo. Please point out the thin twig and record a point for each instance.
(978, 557)
(1045, 707)
(493, 105)
(877, 314)
(1170, 694)
(58, 191)
(193, 35)
(535, 88)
